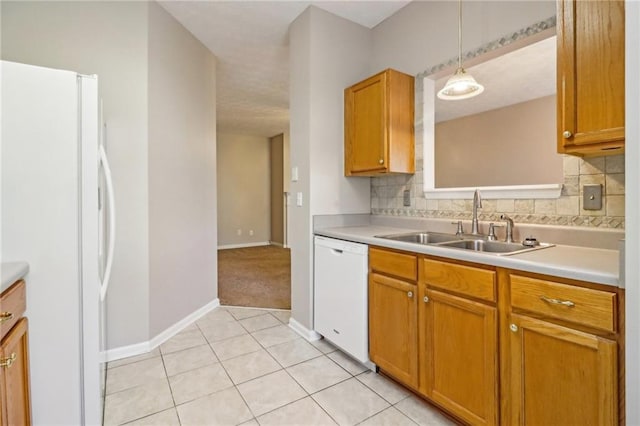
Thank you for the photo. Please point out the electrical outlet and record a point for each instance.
(299, 199)
(239, 231)
(592, 197)
(406, 198)
(251, 232)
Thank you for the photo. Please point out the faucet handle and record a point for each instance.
(492, 231)
(460, 229)
(509, 222)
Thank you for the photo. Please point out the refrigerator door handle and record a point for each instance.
(112, 222)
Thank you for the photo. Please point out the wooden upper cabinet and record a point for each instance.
(590, 77)
(378, 128)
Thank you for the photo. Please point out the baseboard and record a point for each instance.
(144, 347)
(303, 331)
(244, 245)
(274, 243)
(125, 351)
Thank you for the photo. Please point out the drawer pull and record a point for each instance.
(567, 303)
(5, 316)
(8, 362)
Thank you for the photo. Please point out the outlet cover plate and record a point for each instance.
(406, 198)
(592, 197)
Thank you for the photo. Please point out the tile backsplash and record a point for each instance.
(387, 192)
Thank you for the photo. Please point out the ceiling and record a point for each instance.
(249, 39)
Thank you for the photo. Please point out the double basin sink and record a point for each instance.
(469, 242)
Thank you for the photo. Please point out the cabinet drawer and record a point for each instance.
(398, 264)
(466, 280)
(594, 308)
(13, 303)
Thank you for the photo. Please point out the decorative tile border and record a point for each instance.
(613, 222)
(496, 44)
(386, 198)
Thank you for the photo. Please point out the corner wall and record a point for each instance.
(182, 172)
(327, 54)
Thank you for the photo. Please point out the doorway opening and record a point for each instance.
(254, 261)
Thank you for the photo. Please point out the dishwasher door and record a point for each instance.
(340, 295)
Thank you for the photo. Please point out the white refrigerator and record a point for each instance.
(50, 217)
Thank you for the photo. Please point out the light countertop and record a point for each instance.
(579, 263)
(12, 272)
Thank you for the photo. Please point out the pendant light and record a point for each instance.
(460, 85)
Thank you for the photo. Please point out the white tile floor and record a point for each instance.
(240, 366)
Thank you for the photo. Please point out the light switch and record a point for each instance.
(592, 197)
(299, 199)
(294, 174)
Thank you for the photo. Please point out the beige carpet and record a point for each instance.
(258, 277)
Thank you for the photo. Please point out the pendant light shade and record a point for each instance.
(460, 85)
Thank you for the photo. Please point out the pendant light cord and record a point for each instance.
(459, 33)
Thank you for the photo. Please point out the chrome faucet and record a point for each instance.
(477, 204)
(509, 238)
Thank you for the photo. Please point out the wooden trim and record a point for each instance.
(621, 357)
(504, 358)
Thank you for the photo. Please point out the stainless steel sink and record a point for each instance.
(464, 242)
(496, 247)
(421, 237)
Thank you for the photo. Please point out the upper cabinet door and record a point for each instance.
(590, 77)
(378, 131)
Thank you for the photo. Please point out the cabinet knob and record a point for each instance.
(513, 327)
(8, 362)
(5, 316)
(567, 134)
(381, 161)
(425, 299)
(410, 294)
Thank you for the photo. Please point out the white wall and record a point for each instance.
(157, 83)
(182, 172)
(108, 39)
(327, 54)
(243, 189)
(425, 33)
(632, 167)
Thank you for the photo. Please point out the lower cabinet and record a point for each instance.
(14, 376)
(494, 346)
(458, 339)
(459, 356)
(561, 376)
(15, 407)
(393, 314)
(393, 336)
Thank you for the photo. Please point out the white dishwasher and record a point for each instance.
(340, 295)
